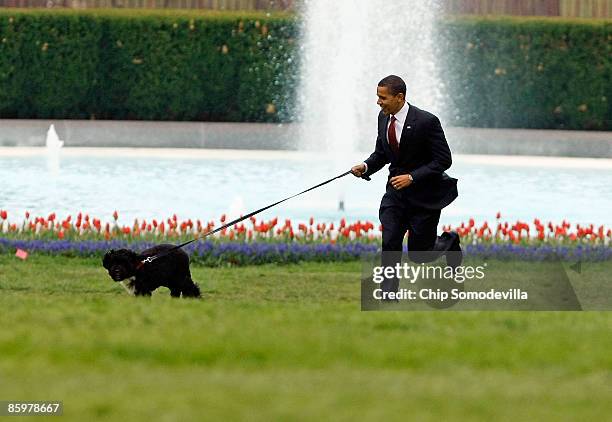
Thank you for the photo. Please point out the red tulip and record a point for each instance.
(223, 218)
(60, 234)
(116, 215)
(3, 214)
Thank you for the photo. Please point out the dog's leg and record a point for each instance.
(128, 288)
(175, 292)
(142, 293)
(189, 288)
(140, 288)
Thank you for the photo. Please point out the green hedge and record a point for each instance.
(181, 65)
(528, 72)
(48, 65)
(152, 65)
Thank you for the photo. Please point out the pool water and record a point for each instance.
(204, 185)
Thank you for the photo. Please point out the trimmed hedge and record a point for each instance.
(48, 65)
(529, 73)
(207, 66)
(151, 65)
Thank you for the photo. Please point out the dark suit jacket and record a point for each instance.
(424, 153)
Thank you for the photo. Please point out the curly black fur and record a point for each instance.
(171, 271)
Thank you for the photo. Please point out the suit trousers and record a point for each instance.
(397, 217)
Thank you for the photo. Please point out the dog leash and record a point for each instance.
(152, 258)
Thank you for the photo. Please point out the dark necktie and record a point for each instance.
(392, 138)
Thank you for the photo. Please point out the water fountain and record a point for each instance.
(52, 141)
(53, 145)
(347, 47)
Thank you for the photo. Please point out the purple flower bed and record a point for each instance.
(218, 253)
(540, 253)
(206, 252)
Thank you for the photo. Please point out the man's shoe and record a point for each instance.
(445, 242)
(454, 254)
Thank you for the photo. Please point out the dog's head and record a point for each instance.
(121, 263)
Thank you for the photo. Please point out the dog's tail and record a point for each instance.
(191, 289)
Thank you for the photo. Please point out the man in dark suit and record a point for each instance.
(412, 142)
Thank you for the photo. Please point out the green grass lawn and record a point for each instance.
(289, 343)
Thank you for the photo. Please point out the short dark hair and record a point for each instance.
(394, 84)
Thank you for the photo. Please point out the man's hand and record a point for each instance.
(400, 182)
(358, 170)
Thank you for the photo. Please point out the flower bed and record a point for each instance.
(215, 253)
(258, 242)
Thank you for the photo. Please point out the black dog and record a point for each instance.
(171, 271)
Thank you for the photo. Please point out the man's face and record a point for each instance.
(390, 104)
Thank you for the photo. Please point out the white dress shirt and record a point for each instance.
(400, 117)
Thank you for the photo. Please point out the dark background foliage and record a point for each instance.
(228, 66)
